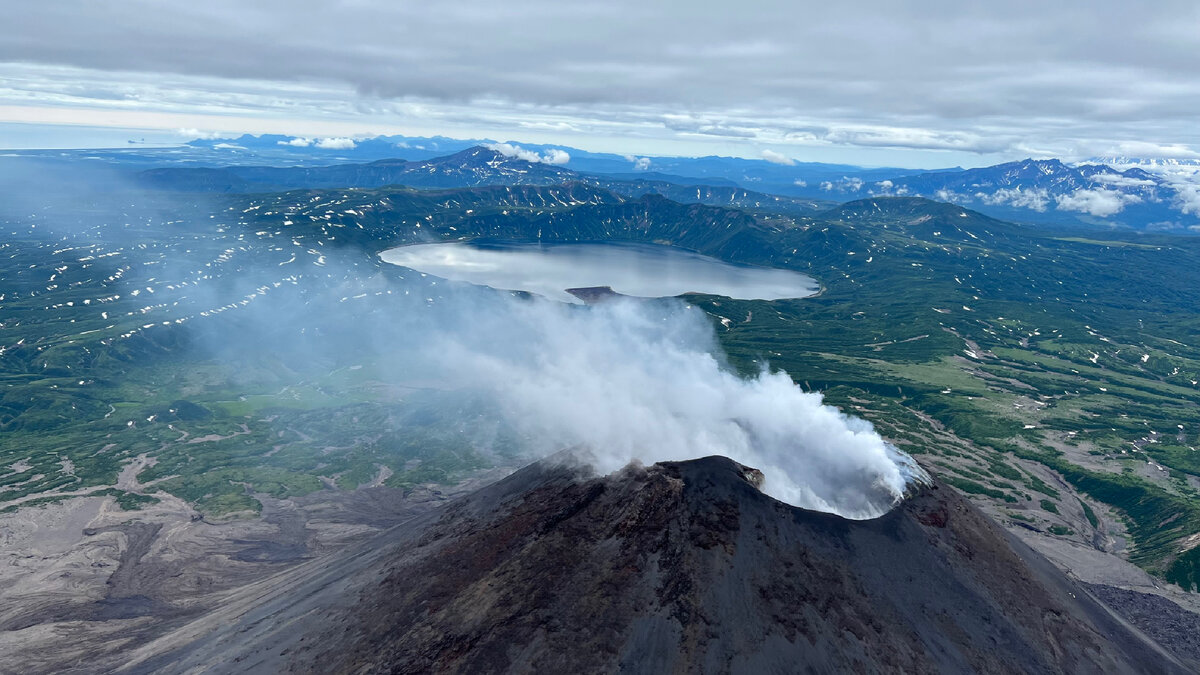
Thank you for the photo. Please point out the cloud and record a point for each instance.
(199, 134)
(926, 139)
(639, 163)
(336, 144)
(1036, 199)
(1100, 203)
(1180, 175)
(800, 183)
(689, 124)
(1143, 149)
(944, 195)
(1118, 180)
(516, 151)
(874, 75)
(552, 156)
(297, 142)
(228, 146)
(777, 158)
(1187, 195)
(556, 156)
(886, 188)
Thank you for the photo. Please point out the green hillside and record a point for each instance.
(1049, 375)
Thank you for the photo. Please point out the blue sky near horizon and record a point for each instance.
(928, 85)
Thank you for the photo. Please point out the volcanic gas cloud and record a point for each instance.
(646, 380)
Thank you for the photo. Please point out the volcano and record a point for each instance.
(675, 567)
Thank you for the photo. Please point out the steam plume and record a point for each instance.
(627, 379)
(644, 380)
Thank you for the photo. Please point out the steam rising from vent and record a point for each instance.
(626, 379)
(640, 380)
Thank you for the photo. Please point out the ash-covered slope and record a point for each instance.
(679, 567)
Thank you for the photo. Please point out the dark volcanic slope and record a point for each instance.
(1170, 625)
(681, 567)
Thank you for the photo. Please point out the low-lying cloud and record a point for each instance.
(1099, 202)
(1188, 198)
(552, 156)
(777, 158)
(639, 163)
(1119, 180)
(323, 143)
(336, 144)
(1036, 199)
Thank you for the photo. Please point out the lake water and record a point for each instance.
(641, 270)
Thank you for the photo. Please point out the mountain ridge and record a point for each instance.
(477, 166)
(1047, 191)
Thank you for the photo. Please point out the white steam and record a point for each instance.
(640, 380)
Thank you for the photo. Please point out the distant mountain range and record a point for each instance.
(755, 174)
(1123, 161)
(1052, 191)
(1160, 194)
(1120, 192)
(474, 167)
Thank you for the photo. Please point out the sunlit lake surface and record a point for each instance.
(641, 270)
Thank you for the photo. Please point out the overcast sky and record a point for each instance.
(919, 83)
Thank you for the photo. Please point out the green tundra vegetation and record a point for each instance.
(1050, 373)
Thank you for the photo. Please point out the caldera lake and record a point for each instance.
(640, 270)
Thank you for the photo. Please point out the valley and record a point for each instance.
(503, 338)
(209, 381)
